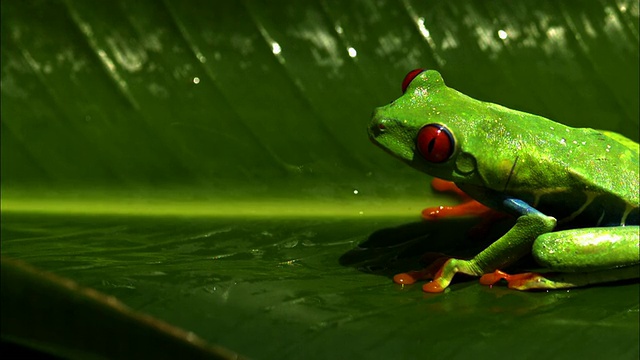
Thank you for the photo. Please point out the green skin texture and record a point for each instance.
(503, 153)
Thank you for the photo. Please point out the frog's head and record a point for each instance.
(425, 127)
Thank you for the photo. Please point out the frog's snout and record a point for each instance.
(376, 128)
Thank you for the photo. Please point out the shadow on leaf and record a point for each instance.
(412, 246)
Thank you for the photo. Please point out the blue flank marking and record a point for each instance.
(518, 207)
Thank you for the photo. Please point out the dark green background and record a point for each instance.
(224, 206)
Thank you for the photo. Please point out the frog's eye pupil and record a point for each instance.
(409, 78)
(432, 144)
(435, 143)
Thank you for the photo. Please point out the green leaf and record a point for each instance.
(207, 163)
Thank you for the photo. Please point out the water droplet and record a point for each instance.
(275, 48)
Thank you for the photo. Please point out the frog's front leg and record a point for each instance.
(510, 247)
(579, 257)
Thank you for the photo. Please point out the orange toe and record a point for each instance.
(432, 287)
(494, 277)
(404, 279)
(523, 281)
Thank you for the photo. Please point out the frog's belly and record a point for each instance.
(583, 209)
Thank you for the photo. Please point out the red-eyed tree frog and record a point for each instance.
(542, 172)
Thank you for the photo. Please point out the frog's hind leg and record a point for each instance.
(467, 208)
(579, 257)
(548, 281)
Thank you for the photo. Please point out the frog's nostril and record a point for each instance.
(378, 127)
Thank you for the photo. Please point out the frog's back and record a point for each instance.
(608, 175)
(616, 171)
(577, 175)
(625, 141)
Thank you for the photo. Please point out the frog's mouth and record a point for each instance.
(374, 131)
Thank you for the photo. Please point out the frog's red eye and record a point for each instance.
(409, 78)
(435, 143)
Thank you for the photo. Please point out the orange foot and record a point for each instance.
(524, 281)
(432, 287)
(468, 206)
(429, 272)
(410, 277)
